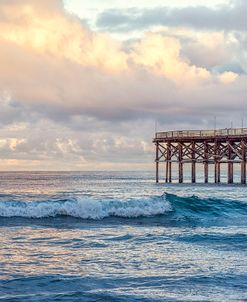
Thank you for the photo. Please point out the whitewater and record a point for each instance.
(118, 236)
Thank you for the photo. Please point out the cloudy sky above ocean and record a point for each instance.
(83, 82)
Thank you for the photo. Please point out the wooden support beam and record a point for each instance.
(170, 164)
(215, 173)
(230, 164)
(230, 173)
(243, 163)
(193, 165)
(167, 171)
(157, 162)
(206, 162)
(180, 163)
(166, 163)
(218, 171)
(206, 172)
(216, 162)
(170, 172)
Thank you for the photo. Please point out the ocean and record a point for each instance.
(118, 236)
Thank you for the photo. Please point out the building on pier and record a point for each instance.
(215, 147)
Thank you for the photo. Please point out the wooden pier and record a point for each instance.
(216, 147)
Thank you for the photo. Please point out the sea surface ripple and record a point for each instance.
(117, 236)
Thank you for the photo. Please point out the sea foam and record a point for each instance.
(86, 208)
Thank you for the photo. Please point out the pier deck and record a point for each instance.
(228, 146)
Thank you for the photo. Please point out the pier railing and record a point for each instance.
(202, 133)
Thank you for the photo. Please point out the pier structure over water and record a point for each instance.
(215, 147)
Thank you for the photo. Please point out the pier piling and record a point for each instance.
(243, 163)
(157, 162)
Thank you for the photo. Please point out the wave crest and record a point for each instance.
(178, 208)
(86, 208)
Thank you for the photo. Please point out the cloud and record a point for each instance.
(71, 97)
(44, 27)
(230, 16)
(163, 56)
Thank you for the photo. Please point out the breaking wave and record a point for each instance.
(176, 207)
(86, 208)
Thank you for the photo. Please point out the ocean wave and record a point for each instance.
(173, 206)
(86, 208)
(194, 206)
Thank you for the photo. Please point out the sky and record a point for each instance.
(82, 83)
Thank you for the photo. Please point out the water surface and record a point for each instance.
(120, 237)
